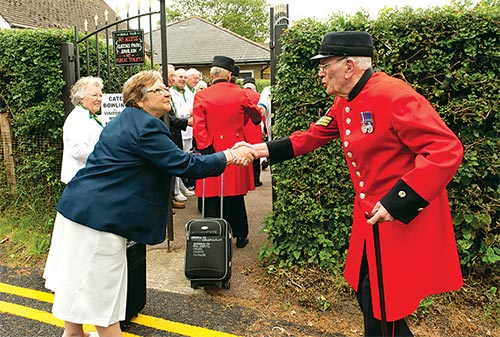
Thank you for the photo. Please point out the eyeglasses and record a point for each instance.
(94, 96)
(159, 91)
(322, 67)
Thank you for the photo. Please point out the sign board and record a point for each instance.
(129, 47)
(111, 106)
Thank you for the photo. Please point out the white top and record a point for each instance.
(265, 102)
(183, 105)
(80, 134)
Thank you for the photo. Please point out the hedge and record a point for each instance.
(451, 55)
(31, 90)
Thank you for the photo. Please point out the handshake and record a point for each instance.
(243, 153)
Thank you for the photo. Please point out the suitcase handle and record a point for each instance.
(221, 197)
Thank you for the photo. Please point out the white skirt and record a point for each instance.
(87, 271)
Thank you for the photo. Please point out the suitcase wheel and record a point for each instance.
(226, 284)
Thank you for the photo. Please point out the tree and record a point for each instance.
(248, 18)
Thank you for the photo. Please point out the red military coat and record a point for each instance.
(219, 115)
(253, 133)
(405, 161)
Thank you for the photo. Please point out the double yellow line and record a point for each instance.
(48, 318)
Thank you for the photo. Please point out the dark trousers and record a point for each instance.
(234, 212)
(373, 327)
(256, 170)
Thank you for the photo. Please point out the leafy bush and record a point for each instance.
(31, 88)
(448, 54)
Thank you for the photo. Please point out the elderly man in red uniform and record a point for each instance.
(219, 115)
(253, 133)
(400, 156)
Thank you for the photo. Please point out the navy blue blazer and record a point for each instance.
(124, 187)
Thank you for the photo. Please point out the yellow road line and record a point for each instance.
(26, 292)
(144, 320)
(42, 316)
(176, 327)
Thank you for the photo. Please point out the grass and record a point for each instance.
(25, 240)
(317, 289)
(26, 222)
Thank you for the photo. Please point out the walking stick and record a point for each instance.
(376, 240)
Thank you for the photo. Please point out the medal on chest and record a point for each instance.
(367, 122)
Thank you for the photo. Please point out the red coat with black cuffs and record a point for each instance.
(219, 115)
(253, 133)
(399, 152)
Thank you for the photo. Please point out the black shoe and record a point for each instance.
(265, 164)
(259, 183)
(241, 242)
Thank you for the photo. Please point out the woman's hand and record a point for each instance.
(244, 155)
(260, 149)
(241, 156)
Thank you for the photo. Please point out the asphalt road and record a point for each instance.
(173, 308)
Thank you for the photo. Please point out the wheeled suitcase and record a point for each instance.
(136, 290)
(208, 250)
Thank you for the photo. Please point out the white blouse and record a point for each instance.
(80, 134)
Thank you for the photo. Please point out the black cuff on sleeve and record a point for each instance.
(280, 150)
(403, 203)
(208, 150)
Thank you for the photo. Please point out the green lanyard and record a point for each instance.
(181, 92)
(93, 116)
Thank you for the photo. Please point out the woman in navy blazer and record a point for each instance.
(122, 193)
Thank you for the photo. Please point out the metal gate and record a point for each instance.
(95, 55)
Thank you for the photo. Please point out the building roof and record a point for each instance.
(53, 13)
(195, 41)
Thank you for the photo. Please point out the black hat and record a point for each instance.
(346, 44)
(249, 80)
(223, 62)
(236, 71)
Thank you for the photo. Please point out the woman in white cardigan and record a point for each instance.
(82, 127)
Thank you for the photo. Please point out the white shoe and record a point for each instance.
(188, 193)
(180, 197)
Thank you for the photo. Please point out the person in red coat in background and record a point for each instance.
(219, 115)
(400, 156)
(253, 133)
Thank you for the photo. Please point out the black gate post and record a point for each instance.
(163, 37)
(68, 58)
(164, 69)
(278, 23)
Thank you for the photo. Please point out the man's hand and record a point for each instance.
(243, 155)
(260, 149)
(379, 214)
